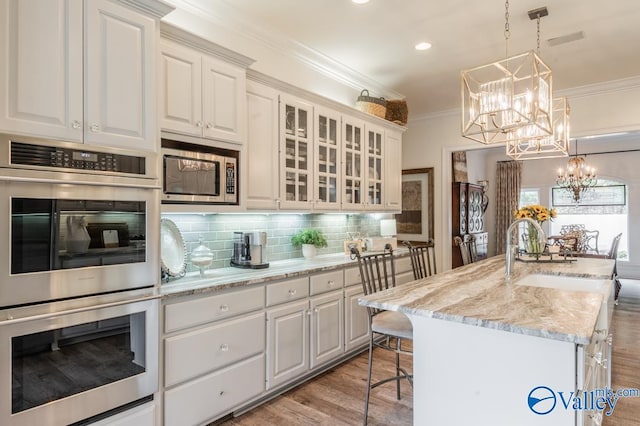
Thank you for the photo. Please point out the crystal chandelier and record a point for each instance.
(506, 95)
(527, 143)
(578, 177)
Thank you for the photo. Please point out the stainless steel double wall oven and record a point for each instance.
(79, 269)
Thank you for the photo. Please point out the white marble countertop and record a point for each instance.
(478, 294)
(223, 278)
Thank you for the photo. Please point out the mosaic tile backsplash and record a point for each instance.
(216, 231)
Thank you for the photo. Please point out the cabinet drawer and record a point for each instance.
(206, 309)
(198, 352)
(286, 291)
(327, 281)
(211, 396)
(352, 276)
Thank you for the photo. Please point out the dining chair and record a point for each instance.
(388, 328)
(613, 254)
(467, 245)
(590, 241)
(423, 258)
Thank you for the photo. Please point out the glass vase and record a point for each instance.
(533, 244)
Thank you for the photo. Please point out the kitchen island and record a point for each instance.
(483, 344)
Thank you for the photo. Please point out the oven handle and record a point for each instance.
(10, 320)
(133, 182)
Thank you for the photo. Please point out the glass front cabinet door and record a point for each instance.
(327, 159)
(353, 154)
(375, 162)
(296, 150)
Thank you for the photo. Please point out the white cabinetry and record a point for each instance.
(374, 170)
(353, 153)
(307, 331)
(393, 171)
(201, 95)
(356, 318)
(45, 91)
(296, 153)
(261, 172)
(326, 159)
(214, 355)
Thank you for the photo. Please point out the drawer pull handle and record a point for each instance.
(224, 347)
(224, 308)
(292, 292)
(331, 283)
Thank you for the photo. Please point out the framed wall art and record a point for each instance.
(415, 223)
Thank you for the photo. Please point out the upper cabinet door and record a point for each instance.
(224, 100)
(375, 166)
(353, 153)
(120, 85)
(261, 172)
(41, 70)
(393, 171)
(327, 159)
(181, 89)
(296, 153)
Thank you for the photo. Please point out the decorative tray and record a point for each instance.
(565, 257)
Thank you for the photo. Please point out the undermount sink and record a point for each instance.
(561, 282)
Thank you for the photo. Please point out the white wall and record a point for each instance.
(430, 140)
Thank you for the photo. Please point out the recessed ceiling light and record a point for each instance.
(423, 46)
(360, 1)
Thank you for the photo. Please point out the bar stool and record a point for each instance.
(388, 328)
(423, 258)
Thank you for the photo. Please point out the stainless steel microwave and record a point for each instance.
(197, 174)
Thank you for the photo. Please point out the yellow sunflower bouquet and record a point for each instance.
(539, 214)
(536, 212)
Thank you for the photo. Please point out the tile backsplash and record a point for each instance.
(216, 231)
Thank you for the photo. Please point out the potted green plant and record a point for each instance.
(310, 240)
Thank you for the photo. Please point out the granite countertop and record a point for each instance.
(223, 278)
(478, 294)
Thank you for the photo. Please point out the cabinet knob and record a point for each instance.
(94, 128)
(330, 283)
(224, 308)
(209, 125)
(316, 310)
(308, 313)
(198, 123)
(292, 292)
(224, 347)
(75, 124)
(221, 393)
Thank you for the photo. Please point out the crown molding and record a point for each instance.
(282, 86)
(154, 8)
(228, 18)
(574, 92)
(186, 38)
(601, 88)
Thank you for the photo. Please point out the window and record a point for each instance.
(529, 196)
(607, 214)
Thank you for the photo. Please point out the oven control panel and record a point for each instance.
(75, 159)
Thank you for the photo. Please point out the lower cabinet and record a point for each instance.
(302, 334)
(214, 355)
(215, 394)
(356, 319)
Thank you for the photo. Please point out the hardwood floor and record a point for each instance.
(337, 397)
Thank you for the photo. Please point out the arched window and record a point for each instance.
(603, 208)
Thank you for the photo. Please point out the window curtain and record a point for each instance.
(508, 181)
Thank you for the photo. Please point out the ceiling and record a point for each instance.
(377, 39)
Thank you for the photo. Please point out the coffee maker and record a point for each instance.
(250, 250)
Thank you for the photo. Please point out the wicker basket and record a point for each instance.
(397, 111)
(371, 105)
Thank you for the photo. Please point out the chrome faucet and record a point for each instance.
(542, 239)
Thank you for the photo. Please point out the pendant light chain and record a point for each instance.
(538, 21)
(507, 33)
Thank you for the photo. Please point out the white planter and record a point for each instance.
(309, 251)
